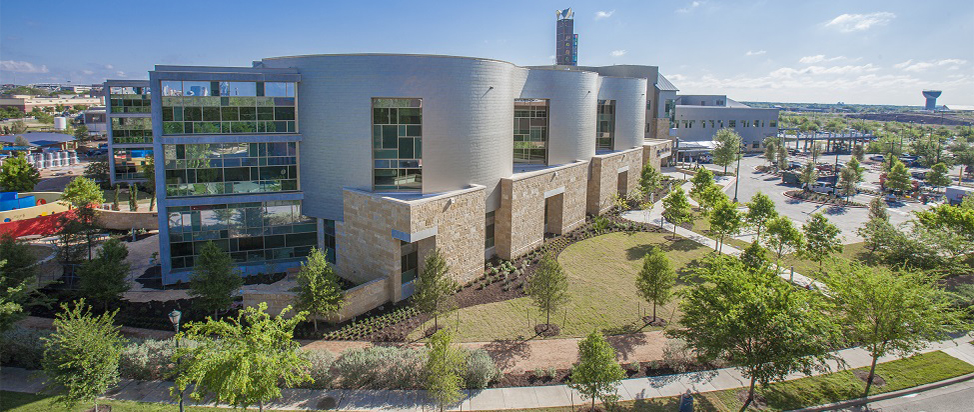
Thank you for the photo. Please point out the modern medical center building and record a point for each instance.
(379, 159)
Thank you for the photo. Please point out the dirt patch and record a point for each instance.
(863, 374)
(547, 330)
(654, 322)
(757, 403)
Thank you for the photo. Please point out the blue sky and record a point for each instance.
(873, 52)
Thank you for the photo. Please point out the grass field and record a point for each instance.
(601, 275)
(853, 251)
(812, 391)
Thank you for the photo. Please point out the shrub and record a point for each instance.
(149, 360)
(539, 373)
(22, 347)
(678, 356)
(320, 370)
(481, 369)
(552, 372)
(380, 367)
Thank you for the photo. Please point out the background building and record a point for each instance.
(26, 103)
(698, 117)
(566, 41)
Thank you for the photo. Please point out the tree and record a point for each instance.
(445, 368)
(938, 176)
(149, 171)
(98, 170)
(877, 233)
(676, 208)
(725, 220)
(816, 152)
(19, 260)
(103, 278)
(134, 197)
(241, 361)
(771, 149)
(877, 209)
(81, 134)
(898, 177)
(891, 313)
(963, 154)
(849, 178)
(701, 181)
(821, 238)
(657, 278)
(755, 257)
(82, 192)
(782, 156)
(548, 288)
(597, 373)
(711, 197)
(318, 291)
(949, 218)
(82, 354)
(858, 152)
(18, 175)
(649, 179)
(434, 288)
(760, 210)
(783, 237)
(727, 149)
(18, 126)
(214, 279)
(766, 327)
(808, 176)
(13, 297)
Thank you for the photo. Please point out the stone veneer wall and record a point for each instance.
(662, 127)
(367, 250)
(603, 181)
(519, 222)
(120, 220)
(655, 150)
(358, 300)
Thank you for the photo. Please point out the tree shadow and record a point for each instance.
(836, 210)
(505, 352)
(625, 344)
(639, 251)
(687, 275)
(682, 245)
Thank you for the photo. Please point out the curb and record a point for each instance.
(889, 395)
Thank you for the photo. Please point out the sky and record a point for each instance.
(857, 52)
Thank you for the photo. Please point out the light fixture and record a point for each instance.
(174, 317)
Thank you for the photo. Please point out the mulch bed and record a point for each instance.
(547, 330)
(658, 322)
(757, 403)
(809, 197)
(545, 377)
(863, 374)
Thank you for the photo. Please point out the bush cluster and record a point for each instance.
(23, 348)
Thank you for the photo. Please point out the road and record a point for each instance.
(953, 398)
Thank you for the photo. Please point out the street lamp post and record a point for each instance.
(174, 317)
(737, 180)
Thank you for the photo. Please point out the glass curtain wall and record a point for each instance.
(217, 107)
(131, 129)
(606, 128)
(397, 144)
(130, 100)
(531, 131)
(227, 168)
(130, 164)
(250, 232)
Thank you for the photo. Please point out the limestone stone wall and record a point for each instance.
(365, 247)
(519, 222)
(662, 127)
(603, 181)
(358, 300)
(655, 150)
(459, 222)
(121, 220)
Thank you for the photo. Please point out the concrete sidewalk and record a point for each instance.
(20, 380)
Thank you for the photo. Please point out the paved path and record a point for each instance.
(20, 380)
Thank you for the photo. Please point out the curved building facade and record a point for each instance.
(380, 159)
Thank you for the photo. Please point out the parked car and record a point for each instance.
(819, 187)
(919, 175)
(878, 158)
(792, 165)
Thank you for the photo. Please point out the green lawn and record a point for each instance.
(818, 390)
(28, 402)
(853, 251)
(812, 391)
(601, 273)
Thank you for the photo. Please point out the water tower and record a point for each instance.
(931, 96)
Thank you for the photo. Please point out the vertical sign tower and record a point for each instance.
(566, 41)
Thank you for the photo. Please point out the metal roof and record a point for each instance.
(39, 138)
(662, 84)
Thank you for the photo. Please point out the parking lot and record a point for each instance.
(848, 219)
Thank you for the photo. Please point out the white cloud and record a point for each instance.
(120, 73)
(618, 53)
(87, 72)
(690, 7)
(601, 14)
(788, 72)
(22, 67)
(109, 67)
(755, 53)
(858, 22)
(910, 66)
(818, 58)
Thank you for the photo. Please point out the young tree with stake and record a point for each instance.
(822, 238)
(701, 181)
(318, 290)
(727, 149)
(548, 287)
(783, 237)
(445, 367)
(597, 374)
(760, 210)
(434, 288)
(656, 279)
(676, 208)
(725, 220)
(214, 279)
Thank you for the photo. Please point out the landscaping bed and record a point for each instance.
(821, 198)
(552, 376)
